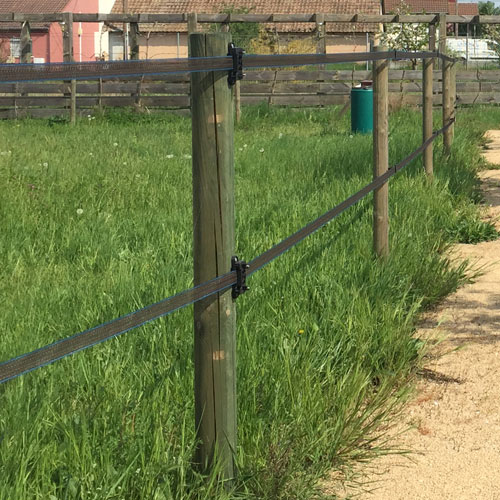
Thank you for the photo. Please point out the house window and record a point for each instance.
(15, 48)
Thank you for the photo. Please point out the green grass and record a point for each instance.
(96, 222)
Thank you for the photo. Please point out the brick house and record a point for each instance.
(170, 40)
(47, 37)
(452, 7)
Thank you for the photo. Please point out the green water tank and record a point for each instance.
(362, 108)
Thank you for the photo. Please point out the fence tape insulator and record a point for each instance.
(13, 73)
(41, 357)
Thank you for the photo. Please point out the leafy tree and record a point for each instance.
(488, 9)
(490, 31)
(406, 37)
(242, 33)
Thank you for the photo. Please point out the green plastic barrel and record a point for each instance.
(362, 109)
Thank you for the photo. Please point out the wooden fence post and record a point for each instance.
(26, 43)
(428, 86)
(68, 57)
(448, 103)
(237, 100)
(381, 154)
(134, 41)
(192, 22)
(213, 226)
(442, 37)
(321, 34)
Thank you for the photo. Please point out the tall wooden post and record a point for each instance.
(134, 41)
(321, 34)
(192, 22)
(442, 36)
(68, 57)
(237, 100)
(213, 220)
(428, 95)
(381, 154)
(26, 51)
(125, 32)
(449, 92)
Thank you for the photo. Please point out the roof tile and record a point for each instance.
(259, 7)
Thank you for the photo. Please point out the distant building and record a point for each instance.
(170, 40)
(47, 37)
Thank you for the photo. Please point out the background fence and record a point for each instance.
(301, 88)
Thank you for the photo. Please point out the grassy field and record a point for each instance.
(96, 222)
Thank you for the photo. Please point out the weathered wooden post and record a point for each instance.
(442, 36)
(448, 103)
(213, 220)
(134, 41)
(68, 57)
(237, 100)
(428, 84)
(321, 34)
(26, 45)
(192, 22)
(381, 154)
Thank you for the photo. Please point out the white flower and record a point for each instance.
(45, 164)
(115, 144)
(91, 154)
(170, 156)
(124, 162)
(351, 136)
(188, 157)
(79, 211)
(245, 145)
(137, 175)
(261, 150)
(240, 149)
(280, 136)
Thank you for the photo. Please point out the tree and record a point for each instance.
(242, 33)
(488, 9)
(407, 37)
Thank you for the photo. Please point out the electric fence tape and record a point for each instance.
(13, 73)
(46, 355)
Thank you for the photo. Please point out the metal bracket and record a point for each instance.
(236, 73)
(240, 266)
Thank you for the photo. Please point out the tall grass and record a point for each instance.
(96, 221)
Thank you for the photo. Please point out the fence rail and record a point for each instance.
(300, 88)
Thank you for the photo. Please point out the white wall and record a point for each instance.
(105, 6)
(478, 49)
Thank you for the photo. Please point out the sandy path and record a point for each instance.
(455, 417)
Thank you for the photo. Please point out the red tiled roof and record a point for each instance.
(259, 7)
(417, 6)
(33, 7)
(30, 7)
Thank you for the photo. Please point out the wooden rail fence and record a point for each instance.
(280, 88)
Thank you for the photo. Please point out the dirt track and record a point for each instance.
(455, 418)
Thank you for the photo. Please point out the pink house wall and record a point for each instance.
(40, 44)
(83, 33)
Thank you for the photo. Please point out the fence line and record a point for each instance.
(213, 221)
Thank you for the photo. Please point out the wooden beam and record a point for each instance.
(214, 242)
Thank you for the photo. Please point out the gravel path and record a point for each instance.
(455, 417)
